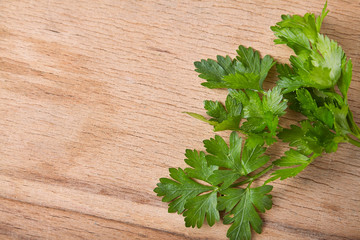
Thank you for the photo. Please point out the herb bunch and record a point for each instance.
(315, 84)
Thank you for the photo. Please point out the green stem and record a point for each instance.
(312, 158)
(241, 131)
(353, 142)
(253, 178)
(353, 126)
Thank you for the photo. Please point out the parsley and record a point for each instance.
(223, 118)
(246, 71)
(219, 168)
(315, 84)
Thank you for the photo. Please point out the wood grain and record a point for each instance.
(91, 102)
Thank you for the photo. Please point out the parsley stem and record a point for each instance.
(353, 142)
(253, 178)
(353, 126)
(312, 158)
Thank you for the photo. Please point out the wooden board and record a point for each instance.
(91, 102)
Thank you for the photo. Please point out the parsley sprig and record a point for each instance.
(315, 84)
(218, 169)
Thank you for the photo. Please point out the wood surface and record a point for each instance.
(91, 102)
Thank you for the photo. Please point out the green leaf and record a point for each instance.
(310, 137)
(311, 76)
(273, 101)
(202, 118)
(221, 154)
(233, 116)
(243, 81)
(214, 71)
(240, 205)
(226, 177)
(230, 198)
(341, 124)
(320, 18)
(200, 207)
(286, 173)
(306, 24)
(319, 60)
(222, 118)
(288, 80)
(355, 129)
(252, 157)
(324, 138)
(179, 191)
(310, 108)
(324, 115)
(293, 159)
(201, 170)
(294, 32)
(256, 70)
(317, 77)
(254, 125)
(272, 123)
(306, 100)
(249, 58)
(323, 97)
(236, 165)
(248, 70)
(328, 55)
(261, 114)
(266, 64)
(251, 102)
(345, 79)
(295, 136)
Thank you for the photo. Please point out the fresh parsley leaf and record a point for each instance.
(320, 18)
(223, 118)
(328, 54)
(261, 113)
(310, 137)
(252, 157)
(200, 207)
(256, 70)
(295, 136)
(200, 168)
(355, 129)
(296, 32)
(310, 108)
(179, 191)
(252, 104)
(246, 71)
(319, 60)
(222, 155)
(293, 159)
(240, 205)
(266, 64)
(231, 158)
(341, 124)
(243, 81)
(273, 102)
(214, 71)
(345, 79)
(288, 80)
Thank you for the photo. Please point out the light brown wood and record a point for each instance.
(91, 102)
